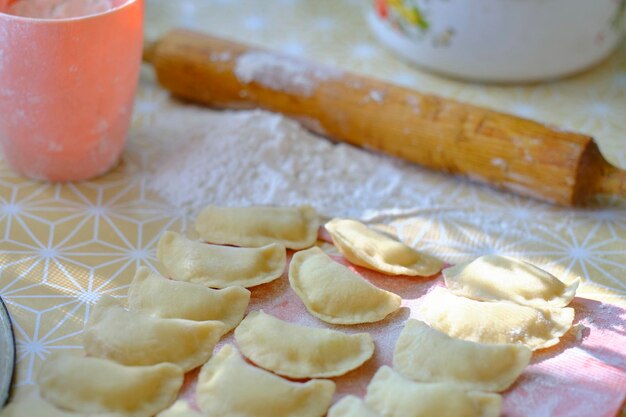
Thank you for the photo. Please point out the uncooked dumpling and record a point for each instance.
(351, 406)
(495, 322)
(180, 409)
(335, 294)
(134, 338)
(496, 278)
(220, 266)
(92, 385)
(392, 395)
(165, 298)
(425, 354)
(370, 249)
(293, 227)
(230, 387)
(299, 351)
(34, 406)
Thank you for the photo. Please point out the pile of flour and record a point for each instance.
(193, 157)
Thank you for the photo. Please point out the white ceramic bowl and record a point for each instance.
(500, 40)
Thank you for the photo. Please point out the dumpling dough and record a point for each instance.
(496, 278)
(229, 387)
(34, 406)
(293, 227)
(180, 409)
(133, 338)
(394, 396)
(351, 406)
(364, 247)
(92, 385)
(335, 294)
(494, 322)
(425, 354)
(220, 266)
(165, 298)
(299, 351)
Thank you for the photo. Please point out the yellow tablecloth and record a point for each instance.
(62, 246)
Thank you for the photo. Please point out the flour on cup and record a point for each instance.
(59, 9)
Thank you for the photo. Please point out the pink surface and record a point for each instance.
(576, 378)
(67, 88)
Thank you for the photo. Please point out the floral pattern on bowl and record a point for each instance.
(412, 19)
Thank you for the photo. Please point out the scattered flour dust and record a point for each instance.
(193, 157)
(60, 9)
(282, 73)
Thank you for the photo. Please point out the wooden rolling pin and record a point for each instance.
(505, 151)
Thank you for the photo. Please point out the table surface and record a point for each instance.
(62, 246)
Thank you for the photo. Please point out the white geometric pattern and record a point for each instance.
(63, 246)
(66, 245)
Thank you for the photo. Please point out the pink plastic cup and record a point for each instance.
(67, 88)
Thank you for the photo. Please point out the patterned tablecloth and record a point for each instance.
(62, 246)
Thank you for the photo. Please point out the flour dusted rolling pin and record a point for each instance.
(508, 152)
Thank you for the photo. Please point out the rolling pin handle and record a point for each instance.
(149, 51)
(612, 181)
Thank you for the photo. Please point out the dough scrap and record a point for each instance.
(392, 395)
(169, 299)
(92, 385)
(501, 278)
(293, 227)
(494, 322)
(335, 294)
(424, 354)
(370, 249)
(134, 338)
(220, 266)
(351, 406)
(180, 409)
(298, 351)
(229, 387)
(34, 406)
